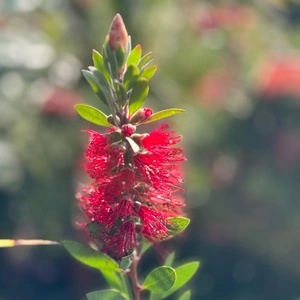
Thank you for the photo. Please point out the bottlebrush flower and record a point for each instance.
(132, 193)
(136, 177)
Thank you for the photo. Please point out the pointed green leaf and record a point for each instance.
(112, 278)
(131, 76)
(145, 60)
(184, 274)
(92, 115)
(120, 55)
(160, 279)
(125, 284)
(126, 262)
(148, 72)
(110, 61)
(185, 296)
(94, 83)
(128, 48)
(134, 56)
(106, 295)
(121, 92)
(164, 114)
(134, 146)
(170, 259)
(90, 257)
(178, 225)
(102, 82)
(98, 83)
(145, 246)
(99, 64)
(138, 95)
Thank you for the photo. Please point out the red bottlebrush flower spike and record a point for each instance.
(126, 195)
(136, 177)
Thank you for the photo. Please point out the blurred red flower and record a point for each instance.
(280, 77)
(213, 89)
(60, 101)
(226, 16)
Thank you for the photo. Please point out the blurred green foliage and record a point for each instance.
(233, 66)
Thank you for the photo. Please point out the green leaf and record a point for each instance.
(145, 60)
(92, 114)
(185, 296)
(112, 279)
(135, 55)
(99, 64)
(90, 257)
(131, 76)
(121, 92)
(126, 262)
(106, 295)
(125, 284)
(138, 95)
(164, 114)
(170, 259)
(184, 274)
(178, 225)
(148, 72)
(134, 146)
(160, 279)
(94, 83)
(98, 83)
(110, 60)
(120, 55)
(145, 246)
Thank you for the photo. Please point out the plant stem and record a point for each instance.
(132, 274)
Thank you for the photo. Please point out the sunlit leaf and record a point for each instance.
(120, 55)
(177, 225)
(90, 257)
(112, 278)
(106, 295)
(99, 64)
(185, 296)
(121, 92)
(145, 60)
(92, 114)
(164, 114)
(160, 279)
(184, 274)
(110, 60)
(98, 83)
(138, 95)
(148, 72)
(134, 146)
(134, 55)
(131, 76)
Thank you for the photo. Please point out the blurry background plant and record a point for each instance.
(234, 68)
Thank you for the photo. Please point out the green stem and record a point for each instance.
(132, 274)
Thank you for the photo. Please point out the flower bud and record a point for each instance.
(128, 129)
(141, 115)
(113, 121)
(117, 35)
